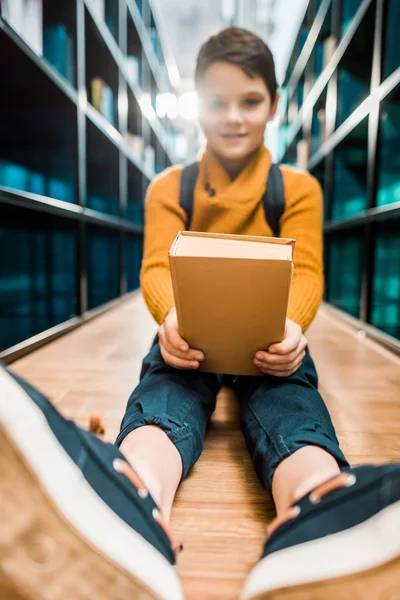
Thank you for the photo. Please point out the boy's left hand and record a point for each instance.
(283, 359)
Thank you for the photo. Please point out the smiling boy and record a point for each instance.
(337, 530)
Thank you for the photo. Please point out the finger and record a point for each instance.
(189, 355)
(286, 346)
(303, 342)
(176, 362)
(292, 366)
(174, 338)
(278, 359)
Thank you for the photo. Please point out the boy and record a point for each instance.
(324, 541)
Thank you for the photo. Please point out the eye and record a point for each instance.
(252, 101)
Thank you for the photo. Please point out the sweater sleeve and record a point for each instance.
(302, 221)
(164, 217)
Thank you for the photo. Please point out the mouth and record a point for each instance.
(233, 136)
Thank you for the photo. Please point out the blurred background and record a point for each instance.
(97, 98)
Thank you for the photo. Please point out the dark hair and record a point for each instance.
(241, 48)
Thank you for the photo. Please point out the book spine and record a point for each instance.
(172, 267)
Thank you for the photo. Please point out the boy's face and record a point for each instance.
(234, 110)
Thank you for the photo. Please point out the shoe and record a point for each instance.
(341, 541)
(76, 521)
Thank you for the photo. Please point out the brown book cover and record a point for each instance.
(231, 295)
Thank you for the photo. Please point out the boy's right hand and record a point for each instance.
(174, 350)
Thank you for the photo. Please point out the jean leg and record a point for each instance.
(178, 401)
(280, 415)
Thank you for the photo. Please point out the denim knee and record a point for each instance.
(188, 442)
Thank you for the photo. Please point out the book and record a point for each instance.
(149, 158)
(329, 45)
(102, 98)
(135, 144)
(132, 68)
(96, 87)
(107, 104)
(231, 295)
(26, 18)
(58, 49)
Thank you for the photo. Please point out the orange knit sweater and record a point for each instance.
(236, 208)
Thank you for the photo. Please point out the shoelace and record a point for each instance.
(96, 426)
(336, 482)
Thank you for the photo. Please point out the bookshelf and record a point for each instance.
(80, 143)
(341, 98)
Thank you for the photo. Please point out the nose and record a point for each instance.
(234, 114)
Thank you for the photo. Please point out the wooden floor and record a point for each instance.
(221, 510)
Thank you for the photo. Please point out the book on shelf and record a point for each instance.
(149, 158)
(58, 49)
(132, 68)
(102, 98)
(329, 45)
(231, 295)
(135, 144)
(26, 18)
(302, 150)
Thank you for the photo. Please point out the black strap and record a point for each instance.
(273, 199)
(188, 183)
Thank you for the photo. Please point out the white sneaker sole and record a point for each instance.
(59, 540)
(360, 563)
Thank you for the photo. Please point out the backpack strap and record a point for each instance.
(186, 196)
(273, 199)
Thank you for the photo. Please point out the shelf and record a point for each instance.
(38, 285)
(332, 65)
(389, 86)
(17, 52)
(72, 184)
(345, 257)
(39, 138)
(349, 77)
(146, 43)
(59, 38)
(298, 63)
(319, 172)
(102, 267)
(135, 50)
(391, 45)
(133, 261)
(385, 304)
(112, 18)
(389, 151)
(318, 125)
(134, 210)
(369, 216)
(355, 68)
(348, 10)
(104, 38)
(33, 202)
(350, 194)
(101, 68)
(102, 173)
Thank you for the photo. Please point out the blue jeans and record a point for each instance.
(278, 415)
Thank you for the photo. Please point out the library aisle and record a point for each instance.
(221, 510)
